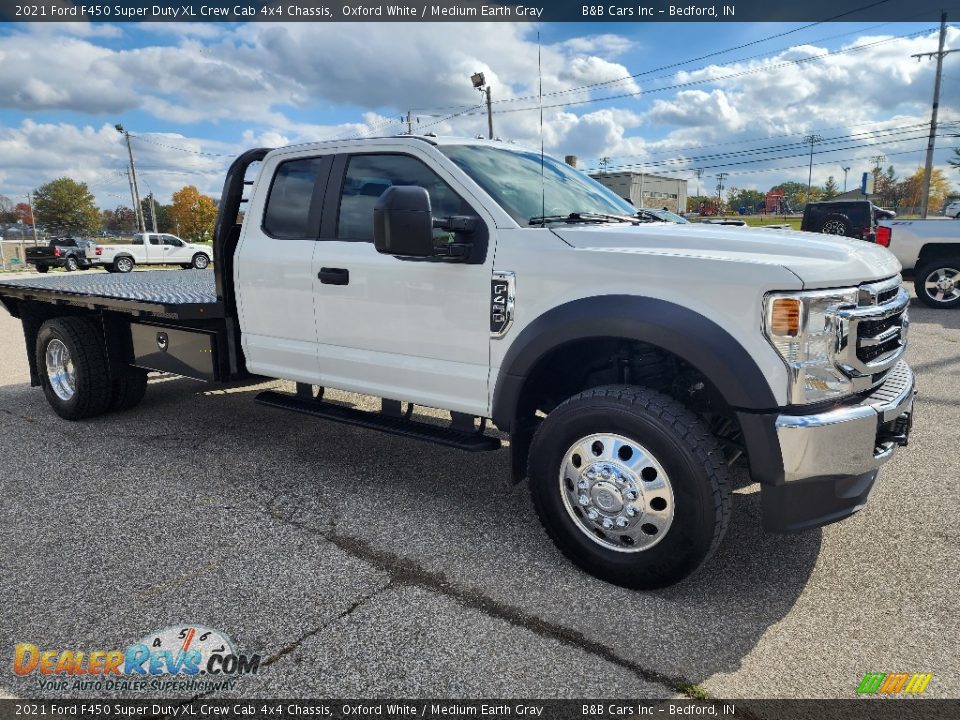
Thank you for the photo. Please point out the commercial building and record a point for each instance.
(646, 190)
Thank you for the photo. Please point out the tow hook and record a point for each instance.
(898, 431)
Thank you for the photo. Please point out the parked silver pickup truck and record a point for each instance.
(931, 249)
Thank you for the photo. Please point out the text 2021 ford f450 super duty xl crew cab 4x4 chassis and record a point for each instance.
(629, 363)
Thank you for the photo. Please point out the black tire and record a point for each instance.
(71, 264)
(123, 264)
(110, 268)
(187, 266)
(128, 388)
(836, 224)
(942, 272)
(83, 341)
(685, 450)
(42, 268)
(200, 261)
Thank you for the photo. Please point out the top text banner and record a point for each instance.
(641, 11)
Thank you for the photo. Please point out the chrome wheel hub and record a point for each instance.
(943, 285)
(616, 492)
(60, 370)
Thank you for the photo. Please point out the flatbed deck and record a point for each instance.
(169, 294)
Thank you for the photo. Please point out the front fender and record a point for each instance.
(694, 338)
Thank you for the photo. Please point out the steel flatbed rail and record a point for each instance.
(167, 294)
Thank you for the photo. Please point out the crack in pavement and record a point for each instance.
(405, 572)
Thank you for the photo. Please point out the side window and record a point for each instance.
(369, 175)
(154, 239)
(137, 240)
(288, 206)
(171, 240)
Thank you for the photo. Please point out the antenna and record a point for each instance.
(543, 187)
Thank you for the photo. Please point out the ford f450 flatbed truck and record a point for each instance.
(629, 364)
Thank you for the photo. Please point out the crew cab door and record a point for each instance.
(274, 275)
(415, 330)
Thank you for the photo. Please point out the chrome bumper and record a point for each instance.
(850, 440)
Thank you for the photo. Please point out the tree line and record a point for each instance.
(67, 207)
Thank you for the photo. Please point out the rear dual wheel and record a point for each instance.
(630, 485)
(75, 372)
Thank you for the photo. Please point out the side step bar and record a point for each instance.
(393, 424)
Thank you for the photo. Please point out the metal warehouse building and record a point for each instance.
(646, 190)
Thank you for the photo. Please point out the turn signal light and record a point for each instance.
(785, 317)
(883, 236)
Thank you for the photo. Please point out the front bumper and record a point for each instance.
(828, 461)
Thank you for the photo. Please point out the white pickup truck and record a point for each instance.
(150, 249)
(629, 364)
(931, 250)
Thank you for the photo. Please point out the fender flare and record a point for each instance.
(696, 339)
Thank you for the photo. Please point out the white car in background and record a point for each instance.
(151, 249)
(953, 209)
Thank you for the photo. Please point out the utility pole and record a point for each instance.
(153, 212)
(490, 114)
(33, 221)
(133, 198)
(604, 162)
(720, 178)
(699, 172)
(940, 54)
(812, 140)
(138, 209)
(845, 171)
(409, 124)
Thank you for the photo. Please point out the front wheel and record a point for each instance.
(630, 485)
(937, 282)
(200, 261)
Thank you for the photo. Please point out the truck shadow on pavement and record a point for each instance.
(444, 523)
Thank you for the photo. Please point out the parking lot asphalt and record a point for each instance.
(364, 565)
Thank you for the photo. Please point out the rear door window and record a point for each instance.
(292, 195)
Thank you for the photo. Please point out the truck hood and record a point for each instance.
(820, 261)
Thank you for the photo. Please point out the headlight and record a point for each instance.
(806, 331)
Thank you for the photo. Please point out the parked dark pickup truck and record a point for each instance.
(68, 253)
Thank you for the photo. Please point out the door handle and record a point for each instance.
(334, 276)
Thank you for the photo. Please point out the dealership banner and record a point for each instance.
(585, 709)
(637, 11)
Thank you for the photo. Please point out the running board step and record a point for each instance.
(463, 440)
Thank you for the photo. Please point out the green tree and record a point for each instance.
(193, 214)
(830, 189)
(66, 206)
(955, 160)
(749, 199)
(794, 194)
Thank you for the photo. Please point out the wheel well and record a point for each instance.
(593, 362)
(934, 250)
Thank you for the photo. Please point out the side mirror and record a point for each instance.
(403, 222)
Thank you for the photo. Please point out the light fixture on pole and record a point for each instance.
(480, 83)
(845, 171)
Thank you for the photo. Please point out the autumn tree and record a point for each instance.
(913, 189)
(22, 214)
(193, 213)
(66, 206)
(120, 220)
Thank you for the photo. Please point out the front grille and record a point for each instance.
(887, 295)
(873, 334)
(876, 338)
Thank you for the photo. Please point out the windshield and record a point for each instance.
(514, 179)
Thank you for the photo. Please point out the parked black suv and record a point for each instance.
(853, 218)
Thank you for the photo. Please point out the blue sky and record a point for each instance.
(194, 95)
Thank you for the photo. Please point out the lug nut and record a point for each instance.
(631, 494)
(584, 500)
(607, 523)
(583, 485)
(591, 474)
(593, 514)
(621, 521)
(606, 474)
(631, 510)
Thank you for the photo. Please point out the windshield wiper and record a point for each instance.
(581, 217)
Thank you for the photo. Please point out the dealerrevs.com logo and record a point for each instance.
(185, 658)
(879, 683)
